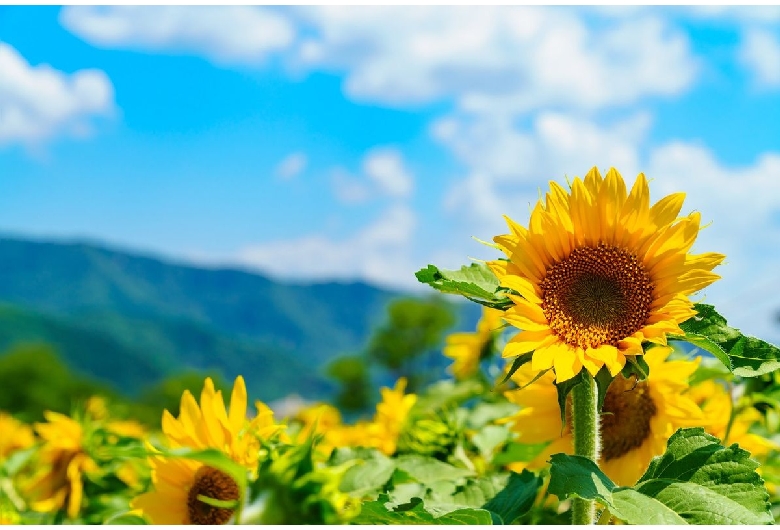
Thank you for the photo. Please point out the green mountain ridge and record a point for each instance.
(130, 319)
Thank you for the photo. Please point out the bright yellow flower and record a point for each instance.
(598, 272)
(382, 432)
(636, 422)
(468, 349)
(178, 482)
(717, 404)
(16, 435)
(62, 462)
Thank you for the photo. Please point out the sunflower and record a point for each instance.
(62, 461)
(16, 435)
(178, 482)
(637, 419)
(468, 349)
(382, 432)
(717, 406)
(598, 272)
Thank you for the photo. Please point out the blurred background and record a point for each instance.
(249, 190)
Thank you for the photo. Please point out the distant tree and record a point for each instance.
(33, 379)
(415, 328)
(353, 378)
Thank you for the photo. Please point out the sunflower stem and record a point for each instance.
(587, 439)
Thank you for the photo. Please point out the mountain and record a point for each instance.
(131, 319)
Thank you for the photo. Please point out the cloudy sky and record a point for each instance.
(322, 143)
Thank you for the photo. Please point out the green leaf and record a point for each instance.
(489, 438)
(580, 476)
(636, 366)
(696, 481)
(516, 498)
(414, 513)
(476, 282)
(367, 476)
(125, 518)
(603, 380)
(426, 469)
(706, 344)
(519, 361)
(518, 452)
(564, 389)
(747, 356)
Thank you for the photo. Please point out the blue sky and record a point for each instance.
(363, 143)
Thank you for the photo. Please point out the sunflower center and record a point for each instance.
(214, 484)
(595, 296)
(625, 421)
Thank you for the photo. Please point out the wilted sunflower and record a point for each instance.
(179, 482)
(598, 272)
(468, 349)
(636, 422)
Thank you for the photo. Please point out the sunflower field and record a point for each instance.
(596, 389)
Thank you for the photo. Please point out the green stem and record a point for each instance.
(587, 439)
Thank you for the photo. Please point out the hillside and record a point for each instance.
(129, 319)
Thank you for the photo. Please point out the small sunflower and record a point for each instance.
(717, 405)
(16, 435)
(598, 272)
(62, 463)
(179, 482)
(637, 419)
(382, 432)
(468, 349)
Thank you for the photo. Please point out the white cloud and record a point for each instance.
(500, 58)
(224, 34)
(348, 189)
(380, 253)
(384, 173)
(292, 165)
(386, 168)
(507, 165)
(759, 52)
(743, 204)
(38, 102)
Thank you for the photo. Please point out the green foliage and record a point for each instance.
(33, 380)
(476, 282)
(696, 481)
(745, 356)
(516, 498)
(413, 329)
(414, 513)
(352, 375)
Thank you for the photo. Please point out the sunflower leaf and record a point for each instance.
(519, 361)
(603, 380)
(706, 344)
(475, 282)
(746, 356)
(426, 469)
(516, 498)
(636, 366)
(564, 388)
(414, 512)
(696, 481)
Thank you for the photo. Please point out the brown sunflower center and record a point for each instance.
(214, 484)
(597, 295)
(625, 420)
